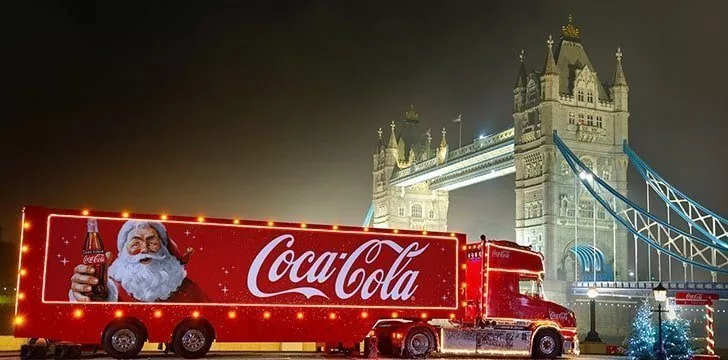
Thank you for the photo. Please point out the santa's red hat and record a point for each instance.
(167, 242)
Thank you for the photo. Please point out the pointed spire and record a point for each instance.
(392, 137)
(522, 73)
(443, 142)
(379, 140)
(619, 78)
(550, 67)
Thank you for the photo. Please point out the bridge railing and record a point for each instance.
(477, 145)
(649, 285)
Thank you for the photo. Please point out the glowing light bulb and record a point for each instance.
(195, 314)
(452, 315)
(23, 272)
(232, 315)
(270, 223)
(26, 225)
(366, 229)
(125, 214)
(364, 315)
(77, 313)
(25, 248)
(423, 315)
(395, 231)
(452, 234)
(163, 217)
(21, 296)
(332, 316)
(395, 315)
(84, 212)
(303, 225)
(19, 320)
(236, 222)
(266, 315)
(200, 219)
(118, 313)
(335, 227)
(158, 314)
(424, 232)
(299, 316)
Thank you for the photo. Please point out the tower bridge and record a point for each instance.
(568, 150)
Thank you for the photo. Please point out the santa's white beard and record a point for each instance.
(153, 281)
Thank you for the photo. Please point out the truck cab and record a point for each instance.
(504, 311)
(504, 290)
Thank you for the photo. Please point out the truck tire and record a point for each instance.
(419, 343)
(192, 340)
(547, 344)
(123, 340)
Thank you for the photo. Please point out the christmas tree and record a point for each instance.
(641, 344)
(676, 339)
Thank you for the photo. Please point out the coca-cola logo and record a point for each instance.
(559, 316)
(349, 271)
(691, 296)
(503, 254)
(94, 259)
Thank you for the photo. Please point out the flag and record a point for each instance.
(459, 118)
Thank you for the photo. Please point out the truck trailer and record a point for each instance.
(118, 280)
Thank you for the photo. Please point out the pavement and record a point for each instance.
(285, 356)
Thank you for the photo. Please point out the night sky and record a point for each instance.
(269, 109)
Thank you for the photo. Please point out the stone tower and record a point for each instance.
(412, 207)
(591, 116)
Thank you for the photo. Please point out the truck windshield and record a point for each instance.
(530, 286)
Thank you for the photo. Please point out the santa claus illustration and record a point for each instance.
(148, 268)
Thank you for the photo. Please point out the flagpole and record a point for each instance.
(460, 133)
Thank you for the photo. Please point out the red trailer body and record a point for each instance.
(185, 281)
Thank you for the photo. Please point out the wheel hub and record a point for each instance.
(123, 340)
(547, 345)
(193, 340)
(419, 344)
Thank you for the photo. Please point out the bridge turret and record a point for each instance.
(442, 150)
(519, 90)
(550, 77)
(620, 94)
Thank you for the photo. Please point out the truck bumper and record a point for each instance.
(571, 346)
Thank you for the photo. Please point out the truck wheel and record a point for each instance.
(191, 340)
(123, 340)
(547, 344)
(419, 343)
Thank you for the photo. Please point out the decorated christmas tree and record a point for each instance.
(676, 339)
(641, 344)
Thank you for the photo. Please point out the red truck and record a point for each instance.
(118, 280)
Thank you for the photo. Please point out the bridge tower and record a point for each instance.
(407, 207)
(552, 213)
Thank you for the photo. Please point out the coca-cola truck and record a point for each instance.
(118, 280)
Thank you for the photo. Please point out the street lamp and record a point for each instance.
(592, 335)
(660, 294)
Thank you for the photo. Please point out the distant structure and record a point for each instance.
(591, 115)
(412, 176)
(411, 207)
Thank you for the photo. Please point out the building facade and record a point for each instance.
(411, 207)
(553, 211)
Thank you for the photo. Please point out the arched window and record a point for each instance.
(589, 97)
(572, 118)
(580, 95)
(431, 215)
(416, 210)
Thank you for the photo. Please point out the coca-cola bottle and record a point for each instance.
(94, 255)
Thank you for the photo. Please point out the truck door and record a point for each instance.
(529, 303)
